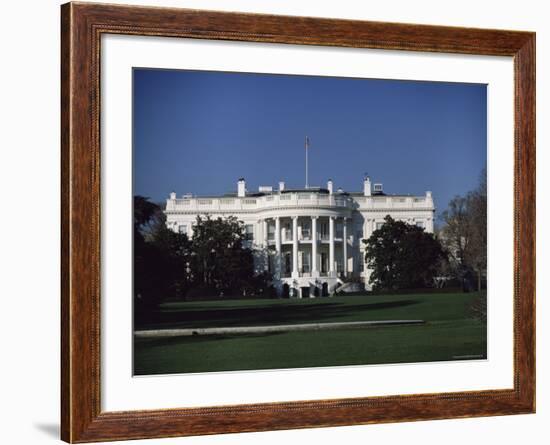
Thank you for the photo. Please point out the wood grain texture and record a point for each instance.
(81, 28)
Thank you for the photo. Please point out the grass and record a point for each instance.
(449, 332)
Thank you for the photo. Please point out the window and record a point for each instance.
(288, 263)
(249, 232)
(182, 229)
(420, 224)
(339, 230)
(306, 232)
(305, 262)
(324, 230)
(324, 262)
(287, 232)
(379, 225)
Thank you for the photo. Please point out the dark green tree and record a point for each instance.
(160, 257)
(221, 262)
(402, 256)
(169, 265)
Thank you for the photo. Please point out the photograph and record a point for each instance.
(294, 221)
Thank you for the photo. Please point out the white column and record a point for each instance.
(430, 225)
(345, 246)
(265, 244)
(314, 271)
(295, 247)
(278, 246)
(370, 226)
(331, 246)
(264, 233)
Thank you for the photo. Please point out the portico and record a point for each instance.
(311, 242)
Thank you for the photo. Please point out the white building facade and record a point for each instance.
(309, 239)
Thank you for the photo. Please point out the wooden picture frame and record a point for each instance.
(82, 25)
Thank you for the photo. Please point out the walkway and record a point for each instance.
(157, 333)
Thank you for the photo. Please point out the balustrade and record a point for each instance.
(296, 200)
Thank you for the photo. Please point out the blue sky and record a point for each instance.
(199, 131)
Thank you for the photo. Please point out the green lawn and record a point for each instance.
(449, 332)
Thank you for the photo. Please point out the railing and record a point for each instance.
(295, 200)
(393, 202)
(285, 274)
(287, 238)
(260, 203)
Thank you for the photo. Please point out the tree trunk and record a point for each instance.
(479, 279)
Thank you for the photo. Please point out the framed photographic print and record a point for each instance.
(276, 222)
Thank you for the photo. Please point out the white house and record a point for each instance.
(309, 239)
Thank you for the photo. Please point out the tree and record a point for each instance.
(220, 261)
(169, 265)
(402, 256)
(146, 215)
(214, 242)
(476, 255)
(464, 234)
(455, 237)
(160, 257)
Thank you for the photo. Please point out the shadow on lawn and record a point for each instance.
(251, 316)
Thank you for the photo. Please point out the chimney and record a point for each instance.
(173, 195)
(366, 186)
(265, 189)
(329, 186)
(281, 185)
(241, 188)
(429, 198)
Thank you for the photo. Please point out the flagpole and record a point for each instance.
(307, 146)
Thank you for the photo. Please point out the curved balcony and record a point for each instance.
(259, 203)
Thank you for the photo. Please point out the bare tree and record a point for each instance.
(464, 234)
(456, 232)
(476, 255)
